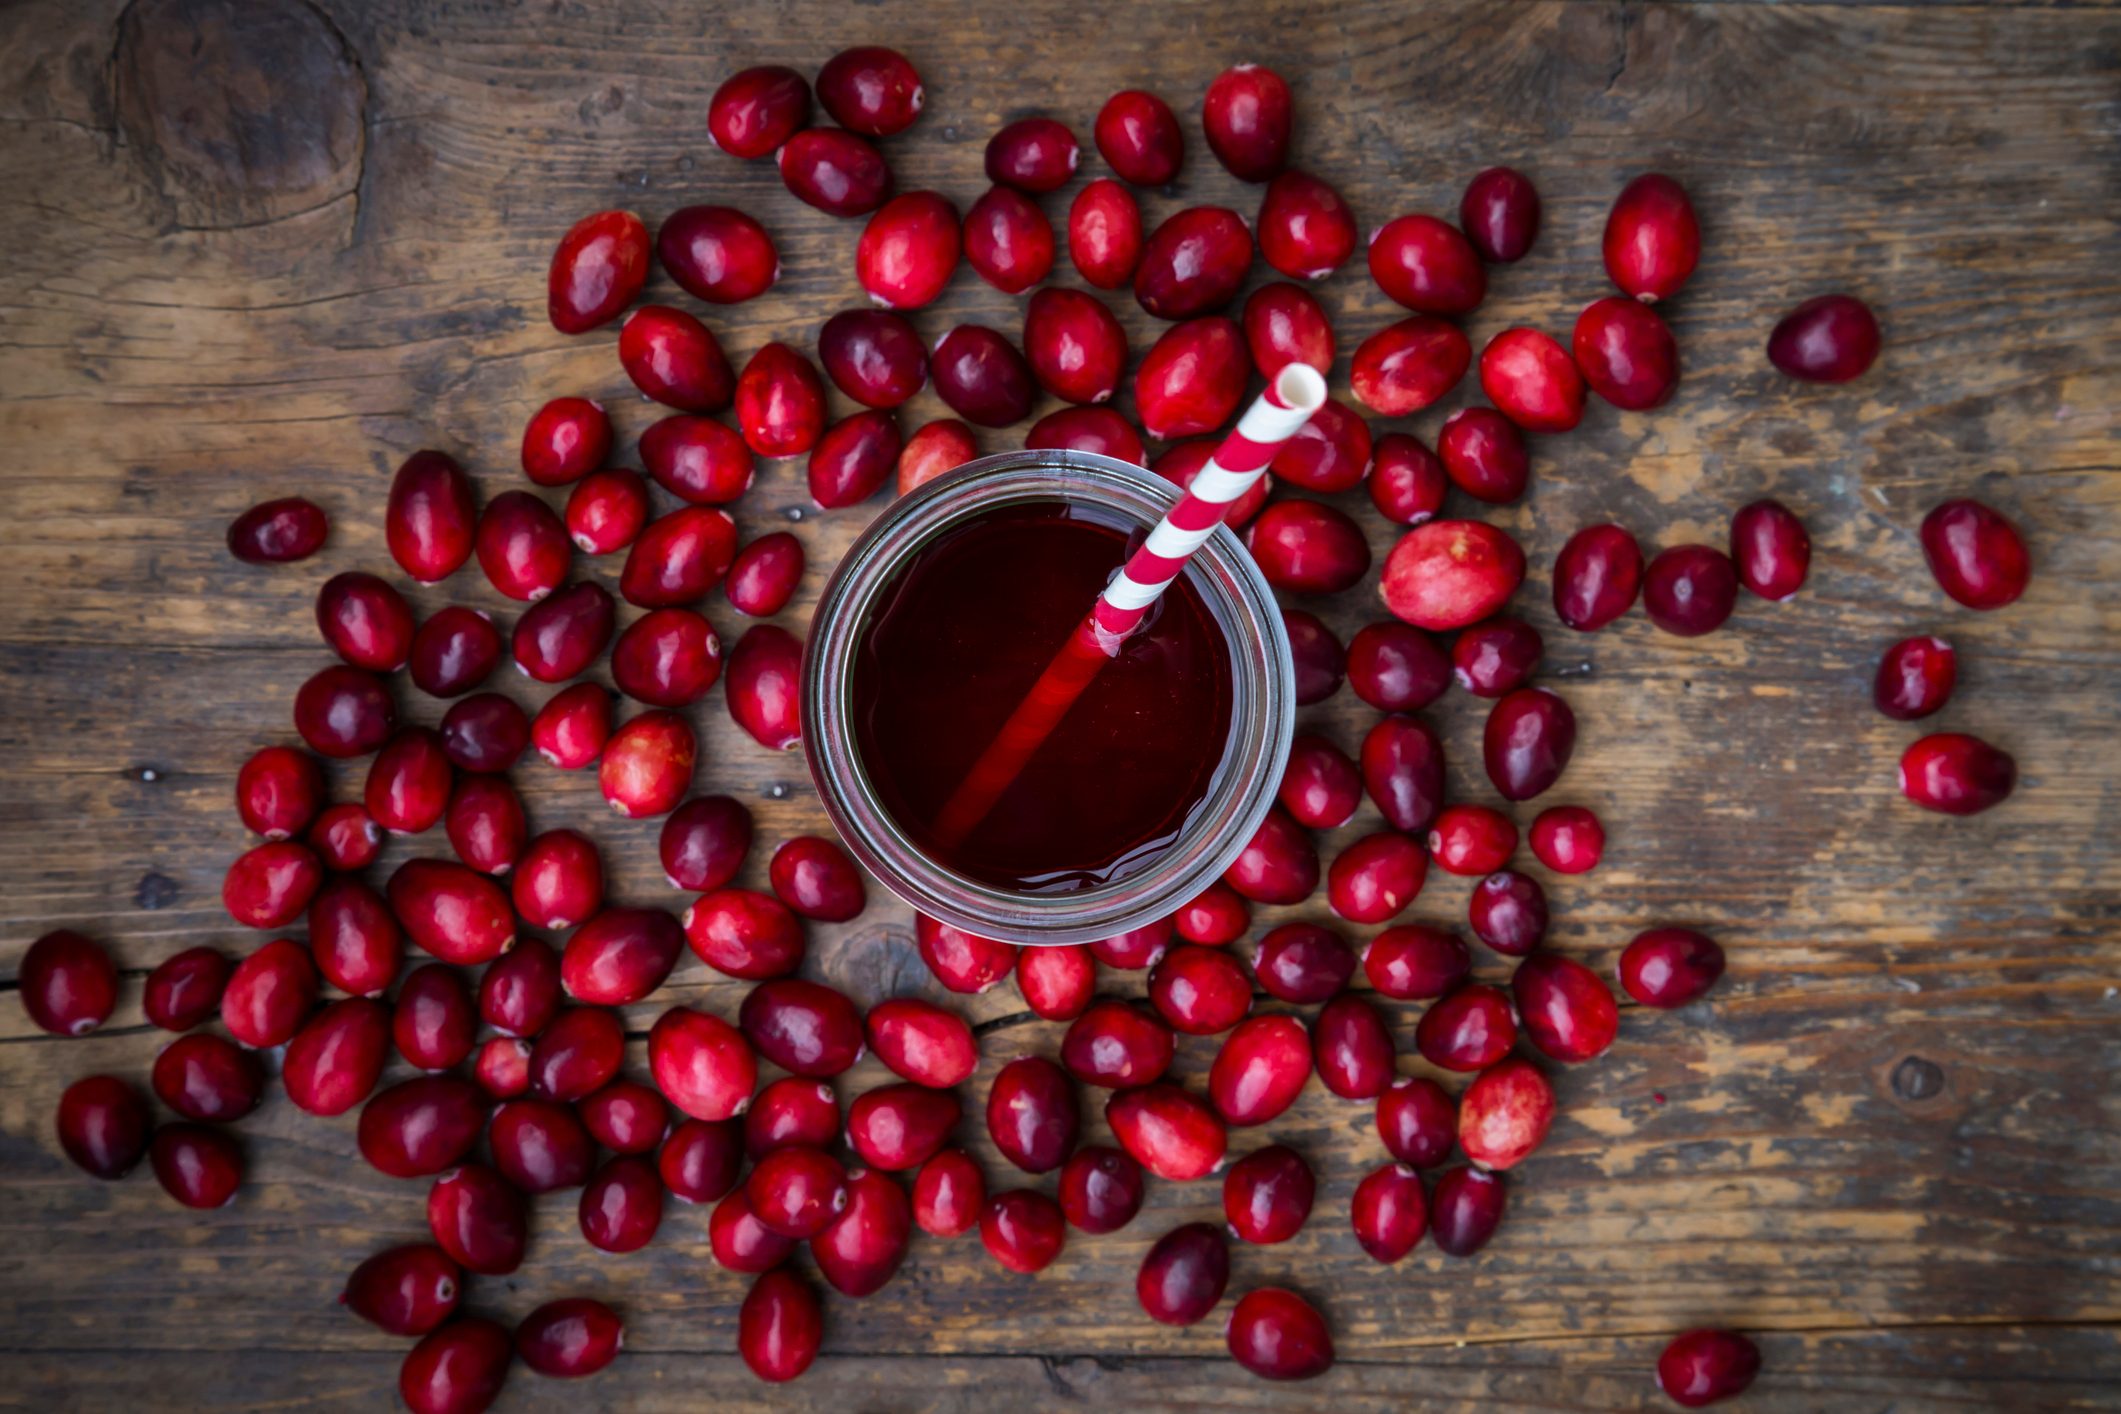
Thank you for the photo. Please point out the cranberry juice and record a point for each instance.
(958, 638)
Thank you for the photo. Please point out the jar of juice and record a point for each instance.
(938, 621)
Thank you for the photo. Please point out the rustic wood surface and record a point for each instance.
(267, 247)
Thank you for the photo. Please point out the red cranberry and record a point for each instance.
(668, 658)
(1303, 963)
(1135, 950)
(835, 171)
(861, 1250)
(1320, 787)
(345, 838)
(1022, 1229)
(1192, 379)
(69, 985)
(1099, 430)
(456, 650)
(1105, 234)
(765, 670)
(1267, 1195)
(432, 517)
(525, 553)
(1008, 240)
(1171, 1133)
(1033, 155)
(208, 1078)
(577, 1054)
(1100, 1189)
(1428, 266)
(1305, 229)
(570, 1339)
(270, 995)
(1465, 1209)
(1376, 877)
(1416, 962)
(1450, 573)
(479, 1219)
(873, 356)
(268, 887)
(1075, 345)
(1470, 1029)
(1032, 1114)
(717, 254)
(1509, 912)
(1389, 1212)
(1596, 577)
(1404, 367)
(565, 440)
(1139, 137)
(898, 1127)
(1402, 767)
(741, 1243)
(451, 911)
(1418, 1121)
(697, 459)
(780, 403)
(458, 1369)
(278, 532)
(1278, 1335)
(1117, 1045)
(571, 729)
(606, 510)
(702, 1064)
(180, 993)
(1284, 324)
(1975, 554)
(1201, 991)
(1530, 735)
(853, 459)
(1184, 1275)
(764, 575)
(1407, 480)
(925, 1043)
(1700, 1367)
(501, 1065)
(1260, 1070)
(948, 1194)
(621, 1206)
(963, 962)
(433, 1023)
(803, 1027)
(704, 843)
(871, 90)
(559, 882)
(982, 377)
(648, 765)
(756, 110)
(745, 934)
(1308, 547)
(796, 1191)
(909, 250)
(1690, 590)
(682, 555)
(792, 1110)
(1533, 380)
(1396, 667)
(1352, 1048)
(1057, 982)
(1956, 774)
(1652, 242)
(1194, 263)
(1495, 658)
(1568, 839)
(558, 637)
(1564, 1008)
(780, 1327)
(940, 446)
(1278, 865)
(1181, 463)
(625, 1116)
(1827, 339)
(1915, 678)
(421, 1126)
(1247, 117)
(621, 955)
(1771, 549)
(1472, 840)
(408, 784)
(1331, 452)
(814, 877)
(1320, 661)
(597, 269)
(1626, 353)
(366, 622)
(198, 1166)
(700, 1160)
(405, 1290)
(1500, 214)
(1484, 455)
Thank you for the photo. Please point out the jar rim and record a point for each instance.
(1241, 791)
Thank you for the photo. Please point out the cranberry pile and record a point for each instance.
(527, 1054)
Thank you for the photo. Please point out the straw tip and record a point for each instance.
(1300, 388)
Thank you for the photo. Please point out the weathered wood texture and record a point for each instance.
(270, 247)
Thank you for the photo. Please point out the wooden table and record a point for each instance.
(268, 247)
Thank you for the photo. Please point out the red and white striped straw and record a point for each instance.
(1274, 417)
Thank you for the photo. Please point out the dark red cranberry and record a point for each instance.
(620, 956)
(1500, 214)
(1465, 1209)
(1200, 991)
(1260, 1070)
(522, 547)
(764, 575)
(1495, 658)
(982, 377)
(741, 1243)
(454, 651)
(433, 1024)
(625, 1116)
(208, 1078)
(835, 171)
(678, 557)
(540, 1146)
(1445, 574)
(1428, 266)
(597, 269)
(267, 887)
(804, 1027)
(520, 991)
(873, 356)
(606, 510)
(948, 1194)
(270, 995)
(1305, 228)
(1596, 577)
(1057, 982)
(1407, 480)
(745, 934)
(278, 532)
(871, 90)
(1170, 1132)
(1771, 549)
(479, 1219)
(1484, 455)
(1956, 774)
(1418, 1121)
(1023, 1229)
(861, 1250)
(1565, 1010)
(1415, 962)
(199, 1166)
(1568, 839)
(1389, 1212)
(562, 634)
(69, 984)
(1303, 963)
(1008, 240)
(1117, 1045)
(1652, 242)
(704, 843)
(780, 403)
(366, 621)
(1267, 1195)
(1075, 345)
(458, 1369)
(1509, 912)
(1032, 1114)
(421, 1126)
(484, 733)
(717, 253)
(1468, 1030)
(756, 110)
(1530, 736)
(1285, 324)
(908, 250)
(1532, 380)
(1395, 667)
(700, 1160)
(1194, 263)
(1915, 678)
(183, 990)
(565, 440)
(577, 1053)
(345, 838)
(621, 1206)
(1320, 661)
(1192, 379)
(1278, 1335)
(853, 459)
(103, 1126)
(1100, 1189)
(1033, 155)
(1975, 554)
(1402, 767)
(405, 1290)
(1308, 547)
(1105, 234)
(1690, 590)
(432, 517)
(1139, 137)
(344, 712)
(1701, 1367)
(780, 1327)
(1827, 339)
(452, 911)
(1352, 1048)
(1278, 865)
(571, 1338)
(1099, 429)
(792, 1110)
(1183, 1277)
(1626, 353)
(408, 784)
(796, 1191)
(1670, 967)
(1247, 117)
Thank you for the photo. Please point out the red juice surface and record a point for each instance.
(957, 639)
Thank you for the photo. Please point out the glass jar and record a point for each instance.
(1262, 708)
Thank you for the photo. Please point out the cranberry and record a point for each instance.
(1956, 774)
(571, 1338)
(797, 1190)
(69, 985)
(198, 1166)
(792, 1110)
(1827, 339)
(559, 882)
(1305, 229)
(1564, 1008)
(1533, 380)
(621, 955)
(626, 1117)
(923, 1042)
(873, 356)
(1033, 155)
(1396, 667)
(577, 1054)
(1008, 240)
(405, 1290)
(1099, 430)
(963, 962)
(745, 934)
(1465, 1209)
(1428, 266)
(606, 510)
(1414, 962)
(1495, 658)
(1135, 950)
(717, 254)
(940, 446)
(561, 635)
(897, 1127)
(1247, 118)
(1915, 678)
(1700, 1367)
(479, 1219)
(485, 733)
(344, 712)
(1139, 137)
(1320, 787)
(780, 403)
(1568, 839)
(668, 658)
(871, 90)
(740, 1242)
(683, 555)
(458, 648)
(1418, 1121)
(1626, 353)
(1320, 661)
(1117, 1045)
(704, 843)
(408, 784)
(853, 459)
(431, 518)
(1278, 865)
(1278, 1335)
(764, 673)
(1032, 1115)
(1509, 912)
(621, 1206)
(501, 1065)
(1530, 735)
(1057, 982)
(1100, 1189)
(1472, 840)
(269, 995)
(564, 441)
(1181, 463)
(861, 1250)
(675, 359)
(180, 993)
(1331, 452)
(1402, 767)
(697, 459)
(1771, 549)
(982, 377)
(1376, 877)
(1596, 577)
(1404, 367)
(1303, 963)
(1975, 554)
(421, 1126)
(433, 1023)
(1267, 1195)
(908, 250)
(1201, 991)
(756, 110)
(948, 1194)
(803, 1027)
(268, 887)
(1022, 1229)
(700, 1160)
(1352, 1048)
(1500, 214)
(1171, 1133)
(702, 1064)
(458, 1369)
(648, 765)
(1184, 1275)
(764, 575)
(208, 1078)
(1652, 242)
(1308, 547)
(1194, 263)
(780, 1327)
(835, 171)
(1389, 1212)
(1690, 590)
(1449, 573)
(597, 269)
(1469, 1029)
(366, 621)
(345, 838)
(1670, 967)
(1075, 345)
(1105, 234)
(1484, 455)
(1260, 1069)
(1192, 378)
(278, 532)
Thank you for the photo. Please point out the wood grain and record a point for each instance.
(272, 248)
